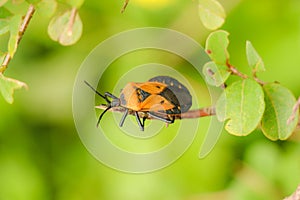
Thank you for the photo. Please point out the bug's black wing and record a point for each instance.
(176, 93)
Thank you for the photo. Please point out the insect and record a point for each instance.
(160, 97)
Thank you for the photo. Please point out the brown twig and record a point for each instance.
(257, 79)
(295, 195)
(294, 113)
(22, 30)
(197, 113)
(124, 6)
(234, 71)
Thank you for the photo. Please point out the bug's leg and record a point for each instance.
(172, 119)
(164, 119)
(139, 120)
(144, 119)
(124, 117)
(100, 117)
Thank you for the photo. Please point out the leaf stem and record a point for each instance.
(22, 30)
(72, 20)
(234, 70)
(257, 79)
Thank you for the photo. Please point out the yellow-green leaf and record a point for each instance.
(212, 14)
(4, 26)
(216, 47)
(17, 1)
(215, 74)
(2, 2)
(279, 107)
(75, 3)
(66, 28)
(33, 1)
(47, 7)
(254, 60)
(4, 13)
(8, 86)
(242, 104)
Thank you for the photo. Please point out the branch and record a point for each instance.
(124, 6)
(202, 112)
(295, 195)
(257, 79)
(295, 112)
(236, 72)
(22, 30)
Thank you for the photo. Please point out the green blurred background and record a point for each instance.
(42, 157)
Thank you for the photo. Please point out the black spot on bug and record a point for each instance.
(158, 86)
(162, 102)
(142, 95)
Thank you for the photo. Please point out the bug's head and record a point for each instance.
(115, 102)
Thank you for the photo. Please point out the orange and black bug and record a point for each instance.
(160, 98)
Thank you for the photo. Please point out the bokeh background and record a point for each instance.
(42, 157)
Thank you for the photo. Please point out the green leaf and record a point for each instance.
(8, 86)
(216, 47)
(215, 75)
(47, 7)
(66, 28)
(212, 14)
(4, 13)
(242, 103)
(279, 107)
(254, 60)
(14, 27)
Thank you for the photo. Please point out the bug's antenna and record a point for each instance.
(104, 97)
